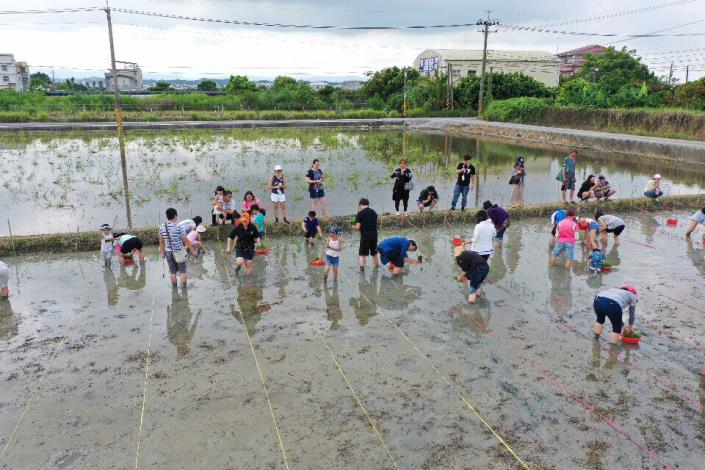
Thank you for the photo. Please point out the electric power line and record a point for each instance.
(50, 10)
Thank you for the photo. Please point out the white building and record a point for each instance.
(13, 75)
(129, 78)
(542, 66)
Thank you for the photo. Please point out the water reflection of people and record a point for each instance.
(249, 298)
(696, 256)
(514, 251)
(136, 279)
(333, 310)
(498, 269)
(395, 295)
(648, 228)
(476, 318)
(9, 324)
(561, 297)
(179, 329)
(365, 306)
(312, 273)
(111, 286)
(613, 257)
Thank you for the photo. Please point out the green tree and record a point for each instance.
(238, 84)
(161, 85)
(500, 86)
(283, 82)
(386, 82)
(615, 69)
(304, 96)
(690, 95)
(39, 81)
(207, 85)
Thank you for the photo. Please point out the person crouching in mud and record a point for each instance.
(393, 251)
(475, 270)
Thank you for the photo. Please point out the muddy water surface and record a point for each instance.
(79, 390)
(60, 182)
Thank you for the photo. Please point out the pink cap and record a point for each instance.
(630, 289)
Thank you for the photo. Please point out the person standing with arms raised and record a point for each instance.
(366, 223)
(466, 181)
(568, 174)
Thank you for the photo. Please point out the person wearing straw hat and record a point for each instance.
(475, 270)
(195, 236)
(653, 188)
(609, 304)
(106, 244)
(244, 237)
(278, 186)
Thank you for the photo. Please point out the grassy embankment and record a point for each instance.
(87, 241)
(655, 122)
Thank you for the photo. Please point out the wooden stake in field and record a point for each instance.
(12, 239)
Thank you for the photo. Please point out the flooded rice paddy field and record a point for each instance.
(114, 369)
(63, 182)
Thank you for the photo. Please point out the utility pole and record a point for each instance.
(670, 75)
(449, 81)
(486, 31)
(406, 103)
(687, 67)
(118, 119)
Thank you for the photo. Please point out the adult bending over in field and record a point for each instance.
(610, 224)
(126, 246)
(483, 235)
(475, 270)
(499, 217)
(394, 250)
(695, 219)
(609, 304)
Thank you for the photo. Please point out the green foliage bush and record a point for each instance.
(523, 110)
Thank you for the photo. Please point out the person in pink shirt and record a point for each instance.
(195, 236)
(249, 201)
(565, 232)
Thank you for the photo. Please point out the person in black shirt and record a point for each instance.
(244, 236)
(466, 180)
(428, 198)
(475, 270)
(366, 223)
(402, 185)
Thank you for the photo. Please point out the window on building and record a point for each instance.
(472, 72)
(5, 78)
(4, 68)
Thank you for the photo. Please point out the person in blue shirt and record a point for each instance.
(311, 227)
(602, 189)
(597, 260)
(395, 250)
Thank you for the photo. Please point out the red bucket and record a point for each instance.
(627, 340)
(261, 251)
(457, 242)
(391, 266)
(672, 222)
(317, 262)
(584, 226)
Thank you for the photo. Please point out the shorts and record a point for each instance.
(314, 193)
(617, 231)
(420, 203)
(391, 257)
(608, 308)
(4, 277)
(568, 185)
(245, 254)
(174, 267)
(476, 277)
(130, 245)
(311, 234)
(594, 226)
(569, 249)
(276, 197)
(332, 260)
(368, 246)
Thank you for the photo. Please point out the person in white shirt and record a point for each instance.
(483, 235)
(189, 224)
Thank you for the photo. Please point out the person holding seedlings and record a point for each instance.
(250, 200)
(394, 250)
(126, 246)
(695, 219)
(4, 280)
(216, 203)
(499, 217)
(602, 189)
(244, 237)
(465, 183)
(428, 198)
(475, 270)
(653, 188)
(483, 235)
(517, 179)
(311, 227)
(591, 232)
(568, 176)
(587, 189)
(314, 178)
(278, 186)
(106, 244)
(366, 224)
(173, 244)
(188, 225)
(334, 246)
(556, 218)
(195, 238)
(609, 304)
(566, 230)
(402, 186)
(610, 224)
(257, 219)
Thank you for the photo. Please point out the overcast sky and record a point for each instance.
(76, 44)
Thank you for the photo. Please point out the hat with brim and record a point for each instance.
(200, 228)
(657, 176)
(105, 227)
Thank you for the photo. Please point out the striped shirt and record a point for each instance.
(175, 233)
